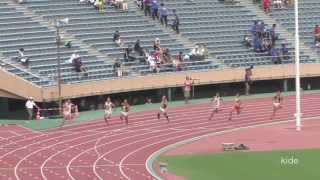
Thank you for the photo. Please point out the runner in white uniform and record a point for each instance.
(125, 111)
(277, 100)
(108, 110)
(163, 108)
(216, 102)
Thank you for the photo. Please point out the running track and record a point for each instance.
(94, 150)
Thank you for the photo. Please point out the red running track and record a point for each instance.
(94, 150)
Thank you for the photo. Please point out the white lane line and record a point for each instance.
(157, 153)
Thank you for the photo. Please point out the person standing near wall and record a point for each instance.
(247, 79)
(187, 88)
(30, 104)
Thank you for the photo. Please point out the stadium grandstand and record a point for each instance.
(52, 51)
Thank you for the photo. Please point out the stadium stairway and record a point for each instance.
(96, 30)
(284, 19)
(221, 27)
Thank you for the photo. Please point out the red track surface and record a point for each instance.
(96, 151)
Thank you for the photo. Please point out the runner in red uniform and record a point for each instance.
(163, 108)
(125, 111)
(236, 107)
(277, 100)
(216, 102)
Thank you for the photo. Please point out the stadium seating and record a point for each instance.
(309, 11)
(96, 29)
(20, 31)
(221, 27)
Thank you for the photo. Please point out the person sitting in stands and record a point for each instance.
(78, 66)
(275, 56)
(152, 64)
(156, 44)
(177, 62)
(285, 52)
(258, 45)
(118, 68)
(266, 44)
(193, 53)
(22, 58)
(125, 5)
(166, 56)
(127, 54)
(117, 38)
(139, 4)
(138, 49)
(246, 41)
(203, 52)
(316, 33)
(73, 56)
(277, 4)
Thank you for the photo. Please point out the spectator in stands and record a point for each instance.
(285, 52)
(156, 44)
(21, 1)
(258, 45)
(176, 22)
(119, 4)
(253, 29)
(100, 5)
(164, 15)
(272, 34)
(22, 58)
(277, 4)
(203, 52)
(275, 56)
(266, 45)
(147, 7)
(118, 68)
(154, 8)
(177, 62)
(193, 54)
(125, 5)
(127, 54)
(139, 4)
(30, 104)
(138, 49)
(246, 41)
(117, 38)
(73, 56)
(78, 66)
(166, 56)
(152, 63)
(316, 33)
(266, 5)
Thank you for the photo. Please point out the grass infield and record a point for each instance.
(274, 165)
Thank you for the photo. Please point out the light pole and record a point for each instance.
(297, 61)
(58, 23)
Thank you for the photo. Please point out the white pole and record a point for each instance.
(297, 61)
